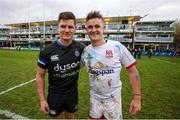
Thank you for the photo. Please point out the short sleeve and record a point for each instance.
(43, 60)
(82, 59)
(127, 59)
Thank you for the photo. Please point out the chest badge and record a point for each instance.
(76, 53)
(109, 54)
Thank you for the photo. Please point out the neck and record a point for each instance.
(98, 42)
(65, 43)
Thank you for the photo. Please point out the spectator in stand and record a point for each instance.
(139, 53)
(135, 53)
(150, 53)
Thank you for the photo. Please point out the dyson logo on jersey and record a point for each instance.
(101, 72)
(66, 67)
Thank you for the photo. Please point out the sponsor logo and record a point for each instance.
(89, 56)
(60, 75)
(64, 68)
(54, 58)
(101, 72)
(109, 53)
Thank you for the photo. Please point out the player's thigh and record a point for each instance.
(71, 102)
(56, 104)
(114, 109)
(96, 108)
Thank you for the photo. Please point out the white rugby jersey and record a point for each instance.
(104, 64)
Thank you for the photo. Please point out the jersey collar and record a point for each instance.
(58, 42)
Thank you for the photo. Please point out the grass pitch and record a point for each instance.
(160, 78)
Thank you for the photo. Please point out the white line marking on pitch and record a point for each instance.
(12, 115)
(17, 86)
(164, 61)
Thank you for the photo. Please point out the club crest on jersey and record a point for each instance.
(54, 58)
(109, 53)
(76, 53)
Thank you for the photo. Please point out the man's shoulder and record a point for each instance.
(49, 47)
(116, 44)
(88, 47)
(112, 42)
(79, 44)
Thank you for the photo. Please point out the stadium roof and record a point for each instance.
(79, 20)
(154, 22)
(4, 27)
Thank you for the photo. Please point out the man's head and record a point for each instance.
(67, 15)
(66, 25)
(94, 14)
(95, 26)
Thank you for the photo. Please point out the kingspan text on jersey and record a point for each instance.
(101, 72)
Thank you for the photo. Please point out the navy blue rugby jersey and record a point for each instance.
(63, 64)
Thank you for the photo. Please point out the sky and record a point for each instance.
(19, 11)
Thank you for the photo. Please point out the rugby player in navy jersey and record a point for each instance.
(104, 61)
(61, 59)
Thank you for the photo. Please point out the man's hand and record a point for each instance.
(44, 106)
(135, 105)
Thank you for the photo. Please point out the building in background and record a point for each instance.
(4, 36)
(154, 34)
(128, 30)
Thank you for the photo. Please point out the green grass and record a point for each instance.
(159, 79)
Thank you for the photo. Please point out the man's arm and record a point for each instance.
(40, 84)
(135, 105)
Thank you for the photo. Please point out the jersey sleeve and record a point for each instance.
(81, 46)
(82, 59)
(43, 60)
(127, 59)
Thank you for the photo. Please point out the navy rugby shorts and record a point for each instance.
(59, 103)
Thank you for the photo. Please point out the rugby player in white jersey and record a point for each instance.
(104, 60)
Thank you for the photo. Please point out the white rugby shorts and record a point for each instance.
(110, 108)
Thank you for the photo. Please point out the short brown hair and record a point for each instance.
(94, 14)
(66, 16)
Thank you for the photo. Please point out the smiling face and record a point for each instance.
(95, 29)
(66, 29)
